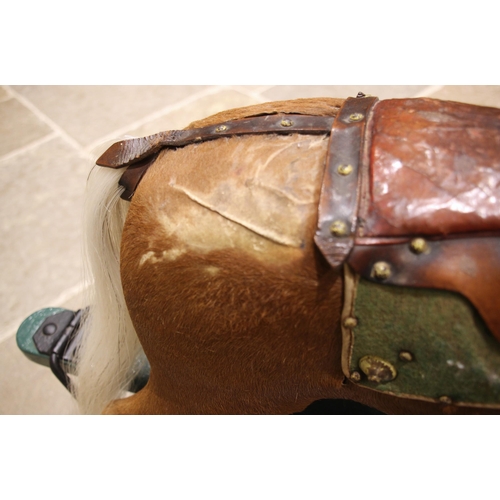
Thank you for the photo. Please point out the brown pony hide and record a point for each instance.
(235, 307)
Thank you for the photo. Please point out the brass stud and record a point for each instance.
(405, 356)
(345, 169)
(221, 128)
(356, 117)
(377, 369)
(338, 228)
(355, 376)
(350, 322)
(418, 245)
(381, 270)
(286, 123)
(446, 400)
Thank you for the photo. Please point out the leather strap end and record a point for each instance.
(109, 157)
(123, 153)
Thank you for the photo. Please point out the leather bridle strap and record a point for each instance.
(139, 153)
(127, 152)
(346, 166)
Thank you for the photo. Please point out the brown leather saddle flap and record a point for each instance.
(435, 169)
(429, 212)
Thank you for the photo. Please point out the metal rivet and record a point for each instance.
(381, 270)
(286, 123)
(418, 245)
(405, 356)
(345, 169)
(355, 376)
(49, 329)
(338, 228)
(350, 322)
(446, 400)
(356, 117)
(221, 128)
(377, 369)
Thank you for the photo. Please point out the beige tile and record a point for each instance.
(73, 301)
(27, 388)
(481, 95)
(18, 126)
(41, 198)
(3, 94)
(200, 108)
(254, 89)
(87, 113)
(279, 93)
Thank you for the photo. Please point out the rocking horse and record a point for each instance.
(272, 256)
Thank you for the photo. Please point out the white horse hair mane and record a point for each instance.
(105, 360)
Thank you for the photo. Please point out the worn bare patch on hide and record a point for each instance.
(250, 193)
(166, 255)
(211, 270)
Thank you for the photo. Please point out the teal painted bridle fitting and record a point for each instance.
(26, 335)
(26, 331)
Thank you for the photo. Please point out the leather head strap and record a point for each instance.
(139, 153)
(130, 151)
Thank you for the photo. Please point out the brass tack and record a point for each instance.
(286, 123)
(418, 245)
(356, 117)
(446, 400)
(221, 128)
(350, 322)
(405, 356)
(355, 376)
(377, 369)
(345, 169)
(381, 270)
(338, 228)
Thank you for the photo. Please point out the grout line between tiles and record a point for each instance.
(44, 118)
(31, 145)
(63, 297)
(8, 96)
(155, 115)
(254, 94)
(431, 89)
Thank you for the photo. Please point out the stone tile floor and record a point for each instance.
(47, 135)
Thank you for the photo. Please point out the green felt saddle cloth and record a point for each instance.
(426, 344)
